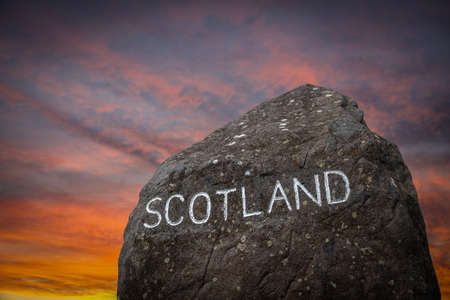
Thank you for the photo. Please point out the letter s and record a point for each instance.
(154, 212)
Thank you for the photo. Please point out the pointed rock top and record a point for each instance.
(305, 114)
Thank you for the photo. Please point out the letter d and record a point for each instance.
(327, 187)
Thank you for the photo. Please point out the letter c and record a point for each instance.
(167, 210)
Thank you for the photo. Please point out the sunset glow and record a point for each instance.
(94, 96)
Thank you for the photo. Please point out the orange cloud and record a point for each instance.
(60, 246)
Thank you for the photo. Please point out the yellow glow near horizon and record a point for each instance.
(100, 296)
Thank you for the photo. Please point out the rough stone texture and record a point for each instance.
(373, 246)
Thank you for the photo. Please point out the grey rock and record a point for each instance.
(373, 245)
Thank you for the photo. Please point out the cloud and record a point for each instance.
(94, 96)
(76, 126)
(67, 244)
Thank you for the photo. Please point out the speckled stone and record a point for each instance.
(372, 246)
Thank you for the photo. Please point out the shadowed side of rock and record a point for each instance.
(296, 198)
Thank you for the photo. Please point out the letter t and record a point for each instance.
(225, 201)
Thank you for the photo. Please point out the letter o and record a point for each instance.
(208, 208)
(167, 210)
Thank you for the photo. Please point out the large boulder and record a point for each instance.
(296, 198)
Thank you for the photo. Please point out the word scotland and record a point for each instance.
(278, 194)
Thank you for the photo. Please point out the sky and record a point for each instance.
(94, 95)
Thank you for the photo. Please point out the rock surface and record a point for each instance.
(274, 236)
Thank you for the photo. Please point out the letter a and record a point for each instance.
(278, 198)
